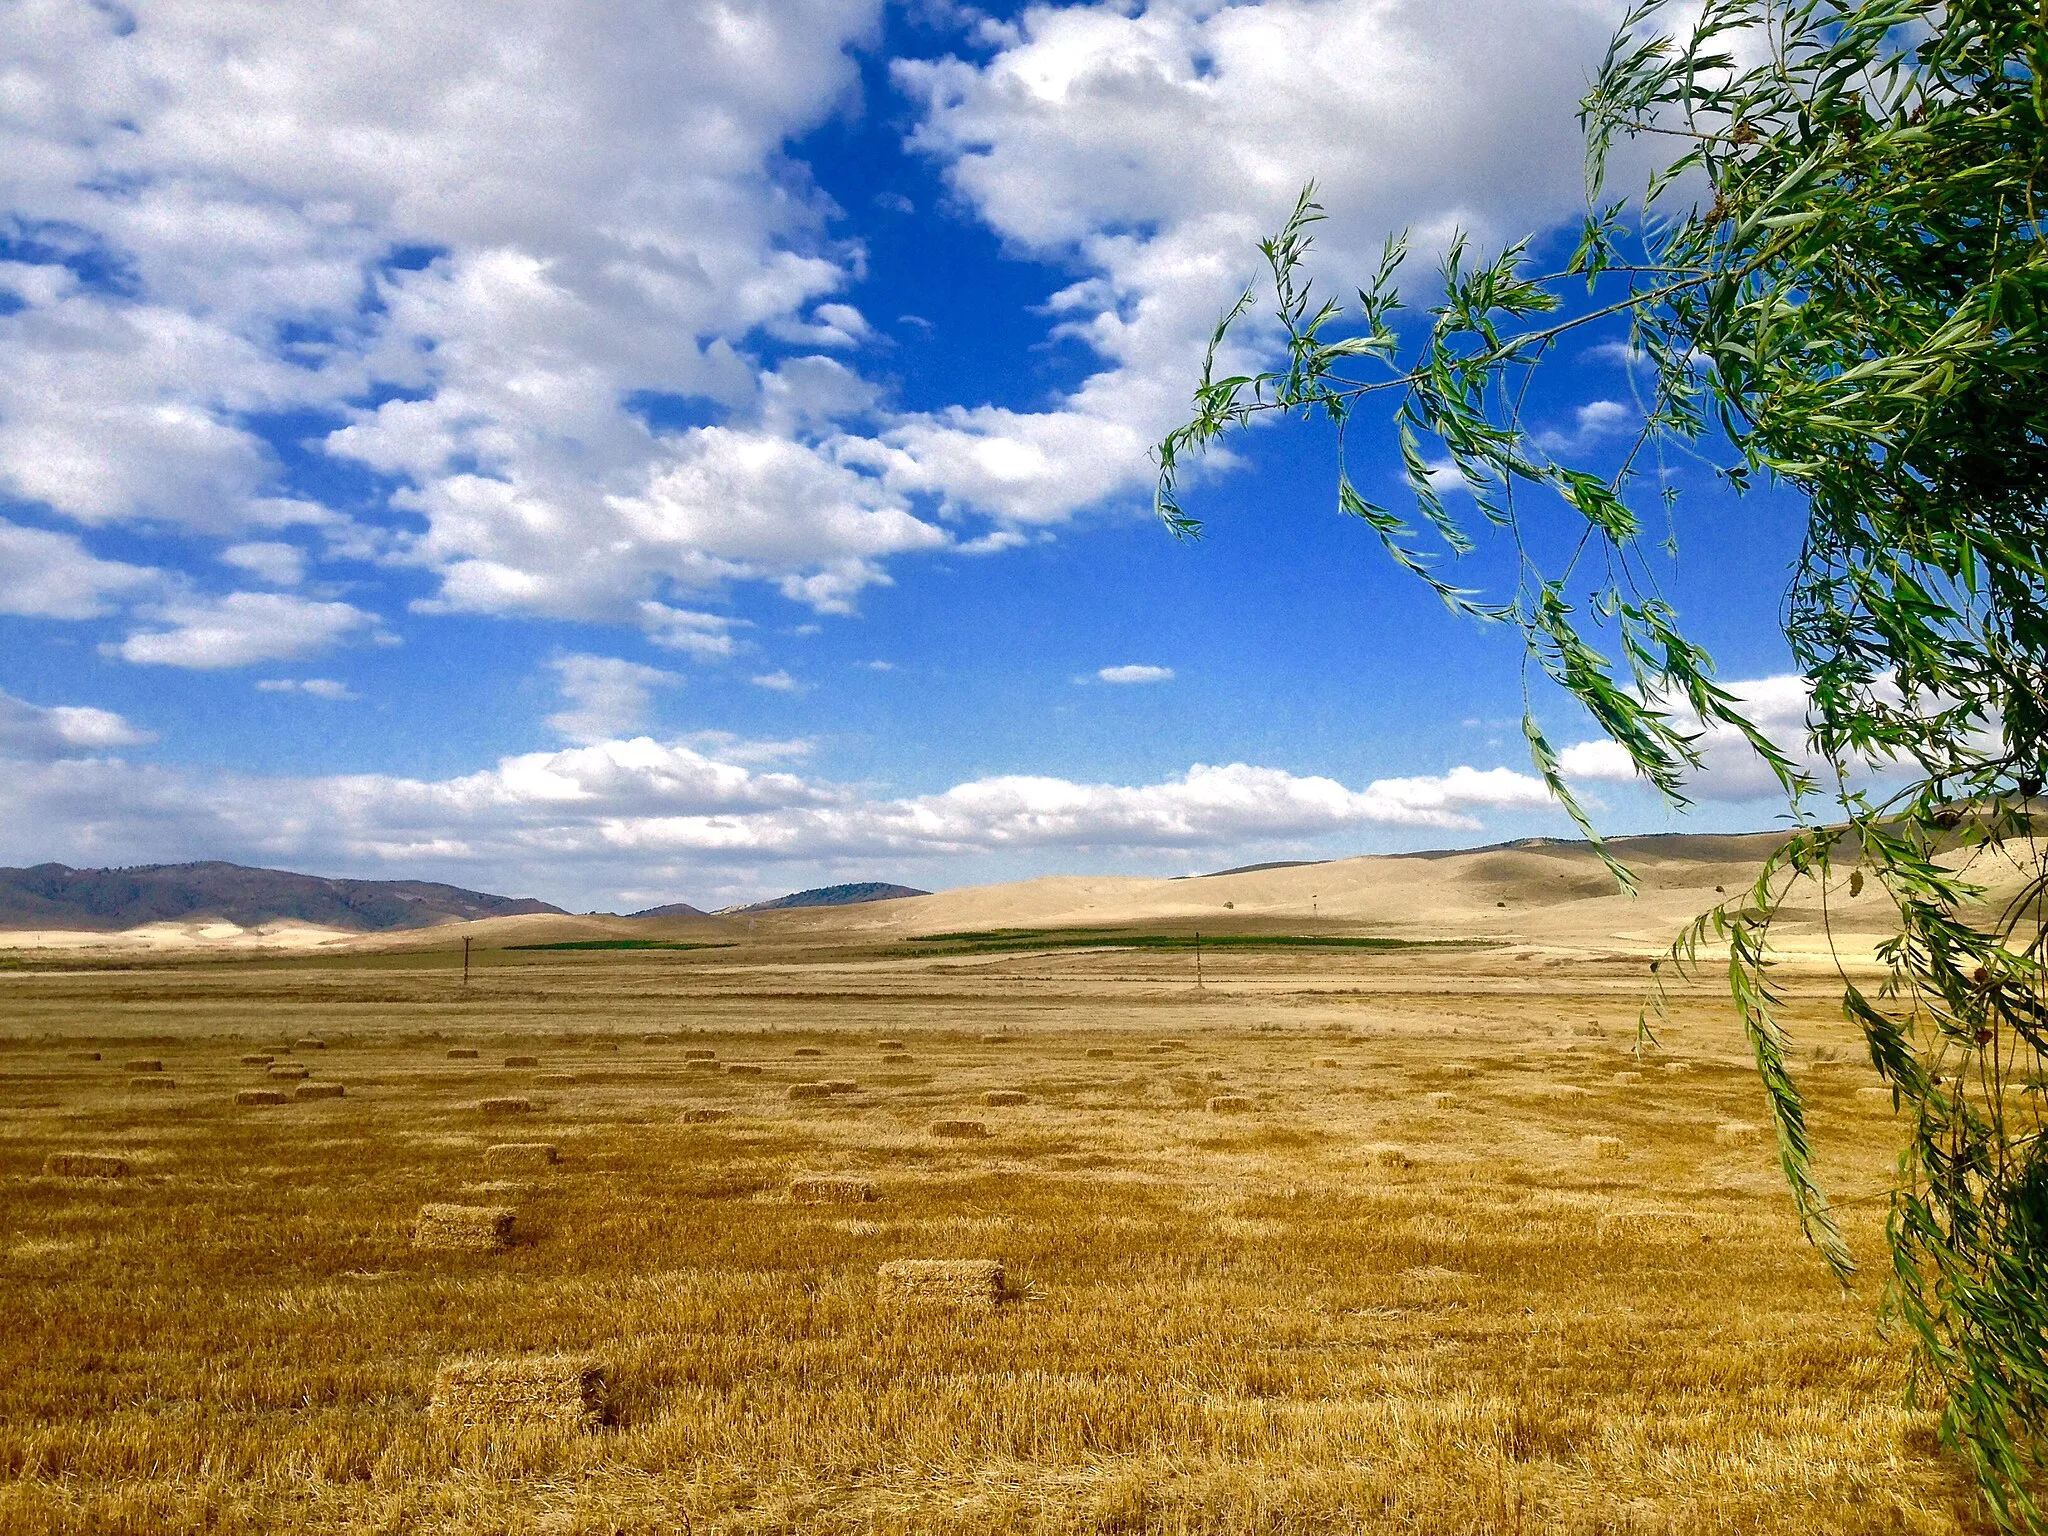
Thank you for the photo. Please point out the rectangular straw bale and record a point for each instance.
(700, 1064)
(1738, 1133)
(1624, 1079)
(941, 1282)
(464, 1228)
(1100, 1053)
(309, 1043)
(700, 1054)
(809, 1091)
(830, 1189)
(965, 1129)
(261, 1096)
(259, 1059)
(85, 1055)
(807, 1050)
(151, 1080)
(1677, 1066)
(1384, 1154)
(522, 1061)
(505, 1106)
(145, 1064)
(1608, 1147)
(840, 1085)
(1174, 1045)
(1004, 1096)
(462, 1053)
(652, 1038)
(554, 1079)
(705, 1115)
(290, 1069)
(888, 1045)
(319, 1091)
(566, 1392)
(521, 1154)
(995, 1039)
(1230, 1104)
(897, 1058)
(87, 1165)
(743, 1069)
(1328, 1061)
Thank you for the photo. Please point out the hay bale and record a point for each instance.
(1384, 1154)
(966, 1130)
(704, 1115)
(554, 1079)
(1738, 1133)
(1214, 1075)
(566, 1392)
(1100, 1053)
(1230, 1104)
(461, 1053)
(807, 1050)
(1675, 1067)
(464, 1228)
(897, 1058)
(700, 1054)
(318, 1091)
(1624, 1079)
(1440, 1100)
(1607, 1147)
(1005, 1096)
(87, 1165)
(258, 1059)
(809, 1091)
(995, 1039)
(653, 1039)
(521, 1154)
(146, 1064)
(1173, 1044)
(309, 1043)
(743, 1068)
(290, 1069)
(840, 1085)
(152, 1080)
(504, 1106)
(85, 1055)
(1328, 1061)
(941, 1282)
(522, 1061)
(830, 1189)
(888, 1045)
(260, 1096)
(700, 1064)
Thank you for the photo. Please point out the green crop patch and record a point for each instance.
(617, 944)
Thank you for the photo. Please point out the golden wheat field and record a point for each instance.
(1343, 1240)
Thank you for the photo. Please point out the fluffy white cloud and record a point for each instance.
(40, 734)
(606, 696)
(778, 681)
(278, 564)
(51, 576)
(1731, 770)
(241, 629)
(1136, 673)
(1152, 145)
(318, 687)
(585, 814)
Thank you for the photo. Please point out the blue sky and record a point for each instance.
(632, 453)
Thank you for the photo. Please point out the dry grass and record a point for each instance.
(1361, 1308)
(504, 1106)
(1000, 1096)
(522, 1154)
(1230, 1104)
(830, 1189)
(959, 1130)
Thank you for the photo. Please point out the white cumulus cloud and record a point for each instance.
(606, 696)
(240, 630)
(47, 575)
(40, 734)
(1135, 673)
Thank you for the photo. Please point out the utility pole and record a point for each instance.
(465, 959)
(1198, 959)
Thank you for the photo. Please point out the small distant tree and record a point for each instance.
(1834, 282)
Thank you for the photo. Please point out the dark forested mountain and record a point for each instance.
(837, 896)
(57, 896)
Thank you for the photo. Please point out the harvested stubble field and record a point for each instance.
(1357, 1304)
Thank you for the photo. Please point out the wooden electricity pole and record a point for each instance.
(465, 960)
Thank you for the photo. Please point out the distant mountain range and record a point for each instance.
(835, 896)
(107, 900)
